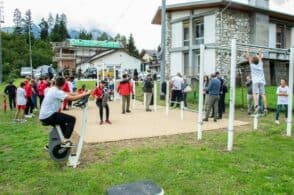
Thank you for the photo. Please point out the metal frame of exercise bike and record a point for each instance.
(59, 153)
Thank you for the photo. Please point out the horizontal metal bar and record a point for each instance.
(244, 49)
(263, 47)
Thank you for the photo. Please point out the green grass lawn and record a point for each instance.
(262, 162)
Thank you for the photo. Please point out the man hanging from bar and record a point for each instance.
(258, 80)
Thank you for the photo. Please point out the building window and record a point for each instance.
(198, 31)
(196, 63)
(280, 37)
(186, 64)
(186, 36)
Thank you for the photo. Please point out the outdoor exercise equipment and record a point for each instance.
(233, 50)
(56, 137)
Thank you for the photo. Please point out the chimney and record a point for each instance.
(259, 3)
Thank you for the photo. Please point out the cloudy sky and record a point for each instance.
(123, 16)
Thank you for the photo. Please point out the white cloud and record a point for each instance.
(118, 16)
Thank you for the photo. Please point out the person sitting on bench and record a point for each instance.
(52, 102)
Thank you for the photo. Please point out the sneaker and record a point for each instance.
(28, 116)
(123, 112)
(128, 111)
(46, 147)
(101, 123)
(108, 122)
(277, 122)
(256, 109)
(265, 112)
(206, 119)
(148, 110)
(23, 121)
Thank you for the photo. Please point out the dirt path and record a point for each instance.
(140, 124)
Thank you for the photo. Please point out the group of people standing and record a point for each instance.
(214, 94)
(28, 97)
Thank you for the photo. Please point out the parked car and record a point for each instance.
(25, 71)
(90, 73)
(43, 71)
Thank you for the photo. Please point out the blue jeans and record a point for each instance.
(279, 109)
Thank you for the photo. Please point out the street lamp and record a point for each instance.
(1, 21)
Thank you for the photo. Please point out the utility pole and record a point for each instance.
(1, 21)
(162, 51)
(30, 50)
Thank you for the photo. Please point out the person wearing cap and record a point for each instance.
(10, 91)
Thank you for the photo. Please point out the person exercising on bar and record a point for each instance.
(49, 112)
(258, 79)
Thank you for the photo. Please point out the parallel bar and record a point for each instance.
(200, 103)
(232, 94)
(290, 98)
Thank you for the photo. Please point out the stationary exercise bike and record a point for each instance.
(59, 153)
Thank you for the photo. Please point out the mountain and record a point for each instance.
(35, 30)
(73, 33)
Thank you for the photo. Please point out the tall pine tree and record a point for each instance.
(27, 22)
(17, 20)
(131, 47)
(44, 29)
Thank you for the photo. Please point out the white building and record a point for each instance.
(216, 23)
(110, 58)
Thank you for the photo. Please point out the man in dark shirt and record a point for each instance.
(148, 88)
(10, 90)
(213, 90)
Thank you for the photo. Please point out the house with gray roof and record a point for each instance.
(216, 22)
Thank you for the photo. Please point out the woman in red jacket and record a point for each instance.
(41, 89)
(125, 89)
(66, 89)
(29, 94)
(101, 95)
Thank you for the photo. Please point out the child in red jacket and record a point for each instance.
(66, 89)
(29, 93)
(101, 95)
(41, 89)
(125, 89)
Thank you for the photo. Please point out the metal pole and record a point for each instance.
(30, 50)
(200, 101)
(182, 110)
(232, 94)
(162, 51)
(167, 98)
(1, 64)
(155, 96)
(290, 98)
(103, 68)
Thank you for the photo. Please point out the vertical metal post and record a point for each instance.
(103, 68)
(163, 32)
(182, 110)
(167, 98)
(290, 98)
(1, 21)
(255, 122)
(232, 94)
(200, 100)
(30, 50)
(134, 93)
(155, 96)
(114, 81)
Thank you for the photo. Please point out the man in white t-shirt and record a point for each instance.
(282, 93)
(49, 112)
(177, 84)
(258, 80)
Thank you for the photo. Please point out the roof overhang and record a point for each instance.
(221, 4)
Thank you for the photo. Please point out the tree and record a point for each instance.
(59, 32)
(103, 37)
(117, 37)
(44, 29)
(84, 35)
(27, 21)
(17, 20)
(123, 41)
(131, 47)
(50, 21)
(143, 52)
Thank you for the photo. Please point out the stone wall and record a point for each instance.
(232, 24)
